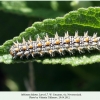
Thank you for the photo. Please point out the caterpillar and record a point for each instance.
(50, 45)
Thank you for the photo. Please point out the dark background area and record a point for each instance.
(46, 77)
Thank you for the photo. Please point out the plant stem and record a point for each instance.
(31, 76)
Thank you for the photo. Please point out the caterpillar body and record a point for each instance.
(57, 44)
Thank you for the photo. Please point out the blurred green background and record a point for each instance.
(15, 17)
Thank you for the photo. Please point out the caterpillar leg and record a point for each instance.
(51, 52)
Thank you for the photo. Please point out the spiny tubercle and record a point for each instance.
(55, 44)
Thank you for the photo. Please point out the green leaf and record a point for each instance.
(82, 20)
(30, 9)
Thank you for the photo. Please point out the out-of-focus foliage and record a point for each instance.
(15, 17)
(30, 9)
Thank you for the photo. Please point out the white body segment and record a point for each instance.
(57, 44)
